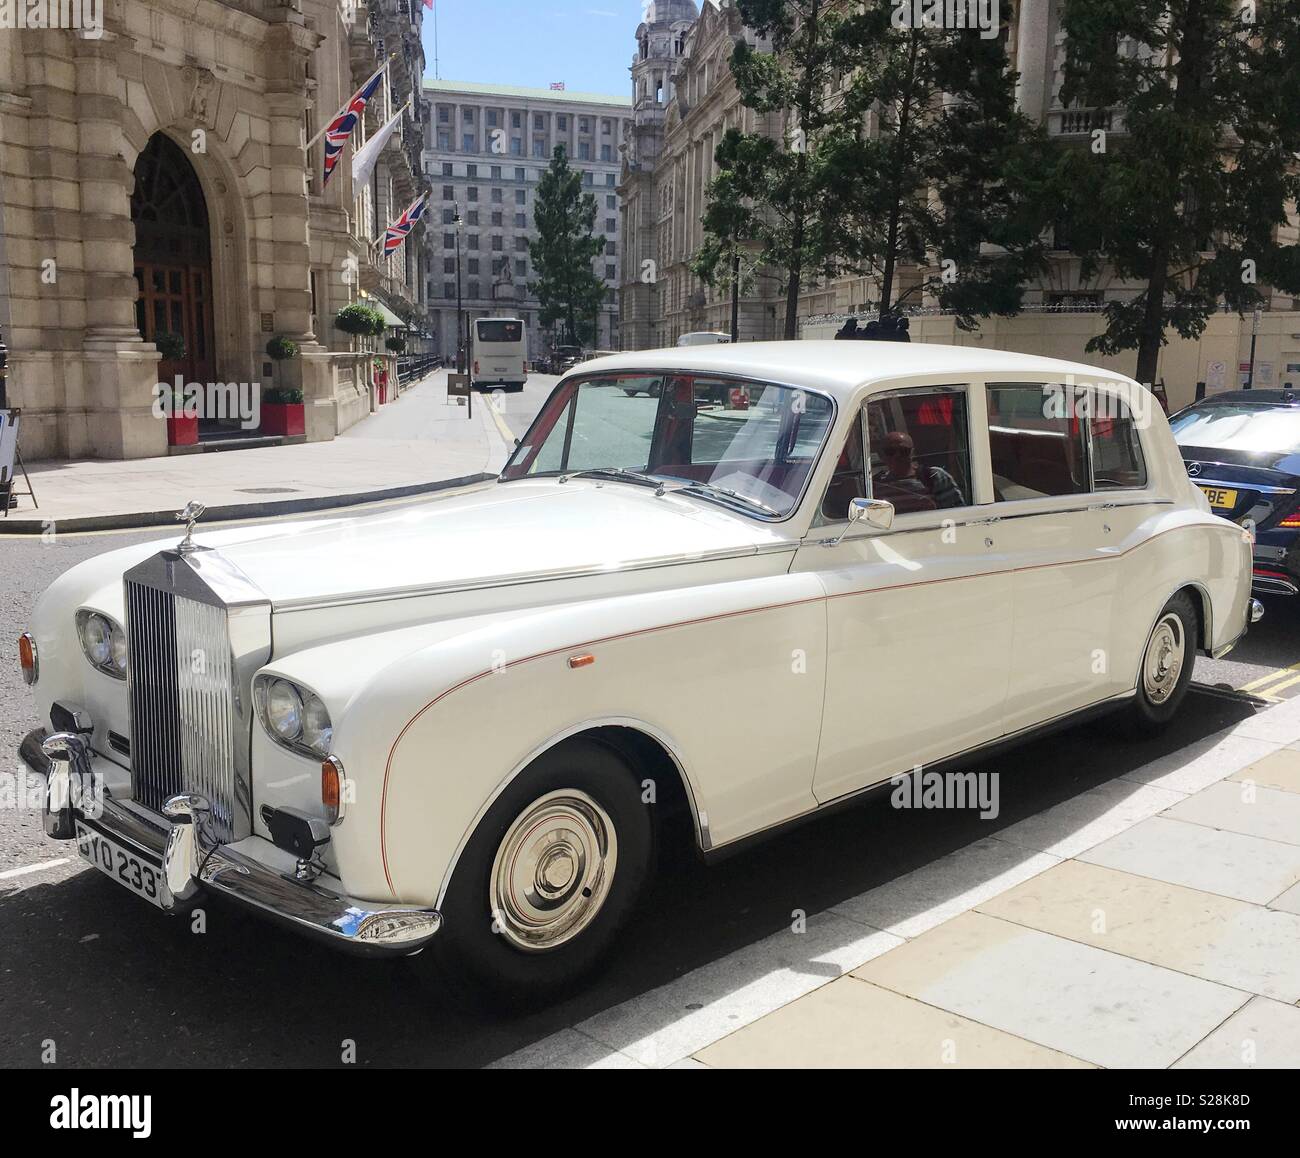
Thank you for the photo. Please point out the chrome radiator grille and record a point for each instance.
(183, 729)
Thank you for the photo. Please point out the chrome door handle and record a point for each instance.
(985, 522)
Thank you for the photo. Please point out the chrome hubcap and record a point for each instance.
(1164, 659)
(553, 870)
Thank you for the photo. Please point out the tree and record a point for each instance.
(567, 287)
(907, 149)
(768, 197)
(1188, 198)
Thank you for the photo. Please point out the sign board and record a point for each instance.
(8, 444)
(457, 385)
(1216, 376)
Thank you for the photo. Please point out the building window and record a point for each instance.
(539, 147)
(611, 248)
(606, 153)
(521, 268)
(606, 126)
(516, 147)
(496, 172)
(611, 224)
(609, 202)
(446, 168)
(497, 244)
(471, 170)
(448, 265)
(449, 289)
(473, 217)
(519, 174)
(610, 180)
(611, 271)
(588, 178)
(584, 125)
(492, 118)
(444, 141)
(521, 221)
(472, 265)
(473, 289)
(521, 245)
(496, 218)
(539, 121)
(562, 123)
(448, 241)
(516, 120)
(449, 193)
(472, 192)
(468, 116)
(473, 241)
(584, 150)
(497, 196)
(467, 143)
(521, 196)
(444, 115)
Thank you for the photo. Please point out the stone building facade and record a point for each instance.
(685, 99)
(154, 178)
(486, 147)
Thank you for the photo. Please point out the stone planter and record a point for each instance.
(183, 430)
(284, 418)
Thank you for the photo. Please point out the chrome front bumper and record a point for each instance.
(191, 864)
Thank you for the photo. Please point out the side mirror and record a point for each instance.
(876, 513)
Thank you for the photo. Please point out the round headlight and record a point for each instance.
(316, 728)
(98, 636)
(118, 644)
(284, 709)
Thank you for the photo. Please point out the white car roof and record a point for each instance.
(841, 367)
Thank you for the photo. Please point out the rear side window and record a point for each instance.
(1037, 442)
(1117, 461)
(920, 449)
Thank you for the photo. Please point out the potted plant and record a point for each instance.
(282, 411)
(359, 320)
(182, 421)
(396, 344)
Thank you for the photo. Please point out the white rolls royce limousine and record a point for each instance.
(724, 586)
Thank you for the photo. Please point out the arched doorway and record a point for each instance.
(173, 259)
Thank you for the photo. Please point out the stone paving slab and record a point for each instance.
(1085, 1002)
(853, 1024)
(1266, 812)
(1228, 863)
(1281, 770)
(1264, 1034)
(930, 895)
(1230, 942)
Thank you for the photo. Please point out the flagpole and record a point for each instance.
(371, 77)
(437, 73)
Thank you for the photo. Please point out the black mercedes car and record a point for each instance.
(1242, 449)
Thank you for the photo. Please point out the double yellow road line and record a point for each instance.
(1267, 687)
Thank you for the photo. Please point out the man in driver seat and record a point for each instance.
(909, 485)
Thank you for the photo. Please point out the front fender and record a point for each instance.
(732, 672)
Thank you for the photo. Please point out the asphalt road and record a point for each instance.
(113, 983)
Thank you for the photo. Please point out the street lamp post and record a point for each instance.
(460, 312)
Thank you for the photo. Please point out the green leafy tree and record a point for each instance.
(1188, 198)
(768, 196)
(567, 287)
(940, 171)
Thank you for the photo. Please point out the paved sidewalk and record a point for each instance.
(417, 443)
(1153, 921)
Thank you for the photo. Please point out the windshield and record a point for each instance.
(743, 444)
(1268, 428)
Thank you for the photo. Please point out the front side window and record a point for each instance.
(920, 449)
(743, 444)
(1036, 437)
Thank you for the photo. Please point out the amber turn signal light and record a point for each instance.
(27, 658)
(331, 788)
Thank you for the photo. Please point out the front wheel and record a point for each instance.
(1166, 668)
(550, 875)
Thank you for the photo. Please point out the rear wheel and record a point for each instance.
(550, 875)
(1166, 668)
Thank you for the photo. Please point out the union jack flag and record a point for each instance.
(396, 233)
(340, 128)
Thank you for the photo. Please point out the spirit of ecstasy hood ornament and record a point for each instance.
(189, 516)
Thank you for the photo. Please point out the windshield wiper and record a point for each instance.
(615, 472)
(713, 488)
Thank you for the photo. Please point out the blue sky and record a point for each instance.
(588, 44)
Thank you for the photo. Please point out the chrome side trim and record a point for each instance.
(1241, 486)
(520, 579)
(698, 817)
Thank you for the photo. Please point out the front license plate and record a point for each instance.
(140, 876)
(1220, 499)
